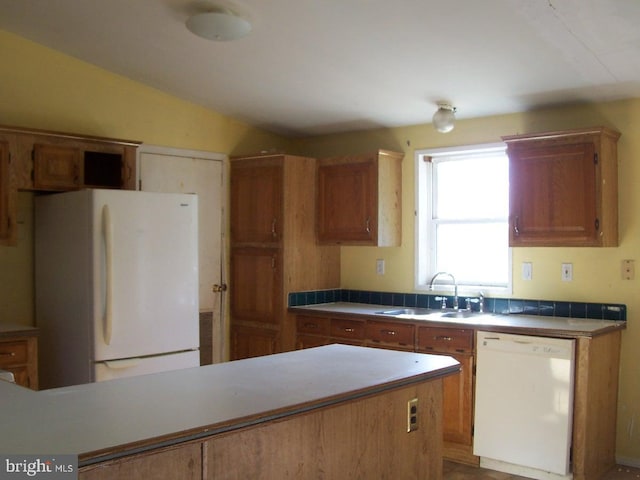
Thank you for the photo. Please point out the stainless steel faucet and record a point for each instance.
(455, 286)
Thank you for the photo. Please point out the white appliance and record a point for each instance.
(116, 277)
(524, 404)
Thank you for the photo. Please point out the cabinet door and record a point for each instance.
(309, 341)
(56, 167)
(458, 403)
(346, 204)
(183, 462)
(247, 342)
(20, 357)
(256, 203)
(256, 284)
(553, 195)
(7, 197)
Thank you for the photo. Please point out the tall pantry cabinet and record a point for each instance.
(273, 250)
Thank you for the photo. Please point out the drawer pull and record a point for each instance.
(349, 330)
(7, 354)
(387, 332)
(310, 325)
(446, 338)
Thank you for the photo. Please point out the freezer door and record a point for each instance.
(111, 370)
(145, 281)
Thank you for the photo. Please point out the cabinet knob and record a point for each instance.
(368, 225)
(516, 223)
(7, 354)
(387, 332)
(219, 288)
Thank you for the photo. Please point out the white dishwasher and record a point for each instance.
(524, 404)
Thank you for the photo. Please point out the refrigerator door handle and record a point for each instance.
(125, 363)
(107, 230)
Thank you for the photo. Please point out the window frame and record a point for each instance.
(424, 199)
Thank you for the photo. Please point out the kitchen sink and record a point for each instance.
(459, 314)
(431, 313)
(407, 311)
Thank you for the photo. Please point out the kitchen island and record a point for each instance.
(330, 412)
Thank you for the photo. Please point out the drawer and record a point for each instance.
(351, 329)
(13, 353)
(391, 332)
(312, 325)
(445, 339)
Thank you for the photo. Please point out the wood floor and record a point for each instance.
(456, 471)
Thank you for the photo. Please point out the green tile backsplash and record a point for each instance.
(600, 311)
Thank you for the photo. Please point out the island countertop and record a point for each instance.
(109, 419)
(512, 323)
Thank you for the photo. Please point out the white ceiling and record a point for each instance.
(322, 66)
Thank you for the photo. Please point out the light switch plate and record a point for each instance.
(527, 270)
(567, 272)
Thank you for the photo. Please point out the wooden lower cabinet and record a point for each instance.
(458, 390)
(19, 355)
(249, 342)
(457, 412)
(182, 462)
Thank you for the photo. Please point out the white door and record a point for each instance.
(163, 169)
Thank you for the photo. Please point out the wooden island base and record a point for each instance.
(363, 438)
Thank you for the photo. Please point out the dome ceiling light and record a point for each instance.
(444, 118)
(219, 24)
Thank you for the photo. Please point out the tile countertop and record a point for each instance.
(514, 323)
(105, 420)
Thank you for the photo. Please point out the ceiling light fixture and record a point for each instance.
(444, 118)
(219, 25)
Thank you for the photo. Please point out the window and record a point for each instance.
(462, 217)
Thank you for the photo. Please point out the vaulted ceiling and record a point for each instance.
(313, 67)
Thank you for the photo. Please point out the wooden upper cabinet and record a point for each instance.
(8, 193)
(563, 188)
(56, 161)
(56, 167)
(256, 196)
(359, 199)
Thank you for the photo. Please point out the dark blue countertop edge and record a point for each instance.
(551, 308)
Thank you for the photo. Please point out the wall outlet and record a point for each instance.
(567, 272)
(380, 266)
(527, 270)
(412, 415)
(628, 270)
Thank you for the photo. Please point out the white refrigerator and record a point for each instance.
(116, 284)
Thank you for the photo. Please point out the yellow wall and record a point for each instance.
(44, 89)
(596, 271)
